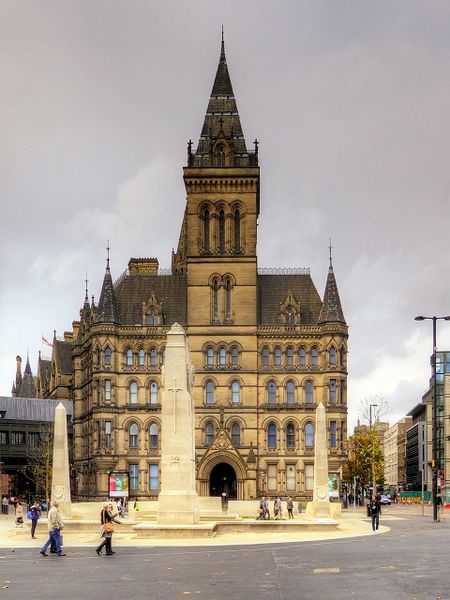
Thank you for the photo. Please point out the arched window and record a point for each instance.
(220, 156)
(302, 357)
(141, 357)
(108, 354)
(209, 393)
(237, 231)
(236, 393)
(290, 392)
(133, 434)
(133, 392)
(290, 435)
(153, 357)
(314, 357)
(209, 433)
(222, 231)
(289, 356)
(222, 357)
(309, 392)
(129, 357)
(277, 355)
(210, 356)
(98, 356)
(236, 434)
(265, 357)
(332, 391)
(154, 435)
(289, 316)
(215, 300)
(234, 357)
(271, 393)
(206, 225)
(309, 435)
(332, 356)
(272, 436)
(152, 318)
(153, 395)
(228, 300)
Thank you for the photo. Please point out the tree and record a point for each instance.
(39, 465)
(380, 408)
(365, 454)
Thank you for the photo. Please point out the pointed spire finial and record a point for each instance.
(222, 48)
(86, 281)
(107, 255)
(330, 248)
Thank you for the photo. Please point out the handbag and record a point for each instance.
(109, 527)
(30, 515)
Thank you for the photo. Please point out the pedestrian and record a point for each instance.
(277, 508)
(375, 510)
(107, 518)
(290, 507)
(261, 509)
(19, 515)
(438, 505)
(266, 512)
(136, 504)
(55, 525)
(34, 513)
(5, 503)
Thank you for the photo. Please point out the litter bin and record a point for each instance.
(224, 501)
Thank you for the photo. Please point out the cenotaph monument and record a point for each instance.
(320, 507)
(178, 497)
(60, 471)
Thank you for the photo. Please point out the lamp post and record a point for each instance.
(434, 465)
(373, 447)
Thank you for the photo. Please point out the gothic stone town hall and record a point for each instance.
(265, 346)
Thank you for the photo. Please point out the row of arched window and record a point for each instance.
(221, 295)
(221, 231)
(289, 393)
(154, 357)
(289, 435)
(222, 356)
(291, 357)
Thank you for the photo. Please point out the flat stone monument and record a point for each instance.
(178, 503)
(60, 471)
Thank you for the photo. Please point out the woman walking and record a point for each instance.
(107, 518)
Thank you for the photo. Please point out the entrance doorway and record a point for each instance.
(223, 479)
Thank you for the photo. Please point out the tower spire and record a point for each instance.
(222, 126)
(108, 309)
(331, 311)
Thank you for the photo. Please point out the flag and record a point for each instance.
(47, 342)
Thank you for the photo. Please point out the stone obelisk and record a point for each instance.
(320, 506)
(178, 498)
(60, 472)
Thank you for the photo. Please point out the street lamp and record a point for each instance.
(373, 448)
(434, 465)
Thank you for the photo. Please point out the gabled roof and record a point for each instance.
(273, 290)
(132, 291)
(63, 356)
(32, 409)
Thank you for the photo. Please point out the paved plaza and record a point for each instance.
(407, 560)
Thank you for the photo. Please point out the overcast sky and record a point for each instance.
(350, 101)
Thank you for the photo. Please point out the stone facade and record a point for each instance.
(265, 346)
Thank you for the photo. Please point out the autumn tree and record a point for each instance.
(365, 457)
(39, 465)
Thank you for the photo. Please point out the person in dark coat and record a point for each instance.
(375, 510)
(35, 513)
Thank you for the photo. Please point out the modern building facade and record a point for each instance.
(266, 347)
(395, 455)
(417, 472)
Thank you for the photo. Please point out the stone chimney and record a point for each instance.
(143, 266)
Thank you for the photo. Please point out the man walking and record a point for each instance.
(55, 525)
(375, 509)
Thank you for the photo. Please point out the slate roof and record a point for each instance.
(273, 290)
(45, 367)
(170, 290)
(32, 409)
(64, 356)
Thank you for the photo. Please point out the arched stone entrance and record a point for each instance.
(223, 479)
